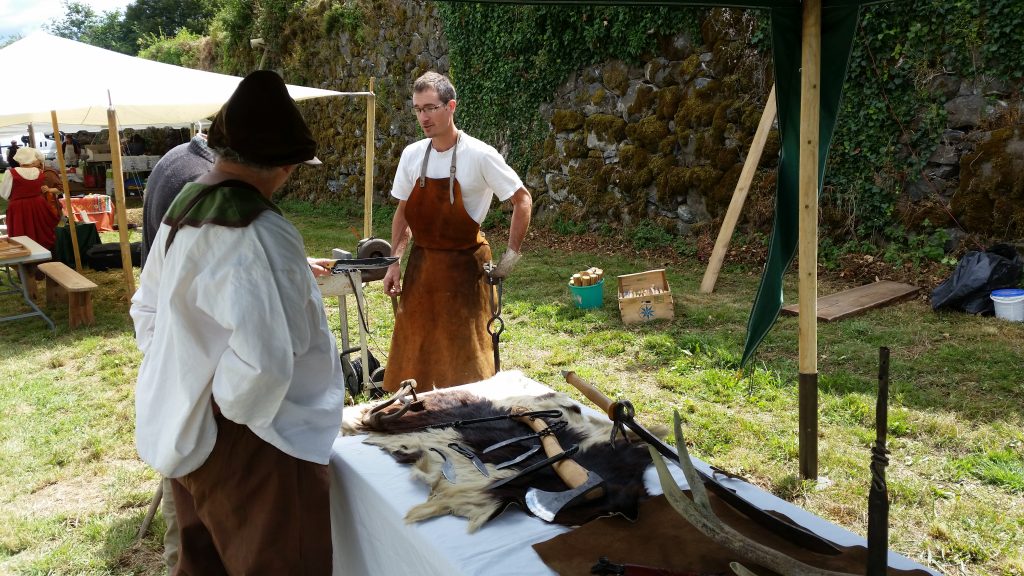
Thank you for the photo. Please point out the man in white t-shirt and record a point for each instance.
(444, 185)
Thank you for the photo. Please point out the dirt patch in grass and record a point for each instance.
(72, 496)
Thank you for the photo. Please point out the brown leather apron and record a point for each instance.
(440, 336)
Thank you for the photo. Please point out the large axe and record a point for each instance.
(583, 484)
(621, 412)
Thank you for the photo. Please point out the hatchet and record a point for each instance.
(583, 484)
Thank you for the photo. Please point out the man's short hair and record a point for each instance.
(438, 83)
(233, 156)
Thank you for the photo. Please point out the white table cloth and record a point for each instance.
(370, 494)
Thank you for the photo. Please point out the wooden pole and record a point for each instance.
(810, 107)
(122, 216)
(739, 195)
(32, 135)
(371, 120)
(67, 194)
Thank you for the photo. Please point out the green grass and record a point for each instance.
(73, 492)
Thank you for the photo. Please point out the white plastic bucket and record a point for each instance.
(1009, 303)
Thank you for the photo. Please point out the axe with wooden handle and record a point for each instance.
(583, 484)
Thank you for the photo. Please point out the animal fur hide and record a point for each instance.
(408, 439)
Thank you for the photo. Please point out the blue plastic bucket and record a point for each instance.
(588, 296)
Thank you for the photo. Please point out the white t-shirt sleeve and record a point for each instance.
(405, 175)
(500, 177)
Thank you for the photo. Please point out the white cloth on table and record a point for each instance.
(234, 312)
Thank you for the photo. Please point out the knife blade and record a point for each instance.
(447, 468)
(469, 454)
(533, 450)
(551, 429)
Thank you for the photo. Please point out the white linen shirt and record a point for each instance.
(234, 312)
(482, 173)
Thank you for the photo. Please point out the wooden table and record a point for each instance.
(21, 285)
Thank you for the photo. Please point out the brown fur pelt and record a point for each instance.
(410, 438)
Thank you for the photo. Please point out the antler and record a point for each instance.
(699, 513)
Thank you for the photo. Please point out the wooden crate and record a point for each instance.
(638, 303)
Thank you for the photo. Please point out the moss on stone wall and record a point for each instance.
(606, 127)
(991, 195)
(563, 120)
(648, 132)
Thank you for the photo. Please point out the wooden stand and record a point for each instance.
(78, 288)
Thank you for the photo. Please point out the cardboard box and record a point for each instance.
(645, 296)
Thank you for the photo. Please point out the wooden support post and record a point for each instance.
(32, 135)
(122, 216)
(68, 211)
(810, 108)
(371, 121)
(739, 195)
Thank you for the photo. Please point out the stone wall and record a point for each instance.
(661, 140)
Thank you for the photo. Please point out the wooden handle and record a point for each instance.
(593, 394)
(568, 470)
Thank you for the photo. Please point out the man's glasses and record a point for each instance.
(429, 109)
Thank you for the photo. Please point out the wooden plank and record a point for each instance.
(67, 278)
(856, 300)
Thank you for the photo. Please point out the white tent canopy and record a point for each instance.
(145, 93)
(124, 91)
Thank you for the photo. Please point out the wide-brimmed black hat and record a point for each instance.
(262, 124)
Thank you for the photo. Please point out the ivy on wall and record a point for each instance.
(892, 114)
(508, 59)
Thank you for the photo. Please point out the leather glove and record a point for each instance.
(507, 262)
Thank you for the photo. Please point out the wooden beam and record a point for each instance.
(122, 216)
(68, 210)
(810, 120)
(739, 195)
(371, 121)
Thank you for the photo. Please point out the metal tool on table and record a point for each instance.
(567, 453)
(471, 456)
(377, 419)
(447, 468)
(621, 412)
(583, 484)
(551, 429)
(471, 421)
(529, 452)
(495, 326)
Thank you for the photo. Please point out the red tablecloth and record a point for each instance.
(95, 208)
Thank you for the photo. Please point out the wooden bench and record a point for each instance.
(78, 288)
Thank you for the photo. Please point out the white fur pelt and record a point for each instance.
(468, 497)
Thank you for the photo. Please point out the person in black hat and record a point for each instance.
(11, 151)
(239, 393)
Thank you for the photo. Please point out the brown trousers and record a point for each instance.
(252, 509)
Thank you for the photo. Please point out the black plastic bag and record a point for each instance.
(976, 276)
(105, 256)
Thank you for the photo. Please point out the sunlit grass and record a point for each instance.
(73, 492)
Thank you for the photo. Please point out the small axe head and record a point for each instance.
(545, 505)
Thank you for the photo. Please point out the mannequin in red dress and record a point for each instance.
(28, 213)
